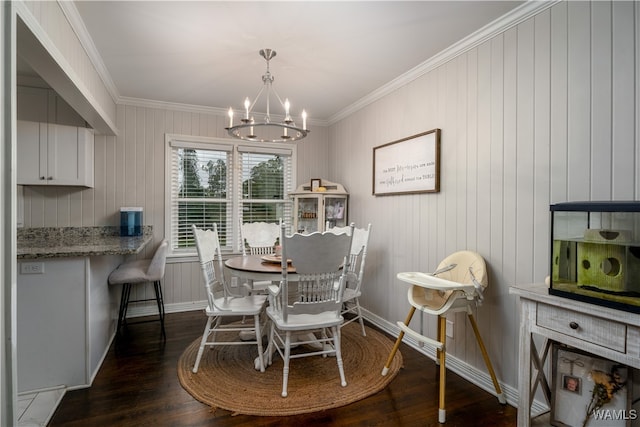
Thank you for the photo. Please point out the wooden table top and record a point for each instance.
(255, 264)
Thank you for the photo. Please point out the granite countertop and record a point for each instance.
(50, 242)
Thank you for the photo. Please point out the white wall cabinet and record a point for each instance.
(314, 210)
(52, 154)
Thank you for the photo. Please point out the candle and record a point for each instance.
(247, 103)
(230, 117)
(286, 108)
(304, 120)
(251, 128)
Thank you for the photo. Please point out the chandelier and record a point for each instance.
(250, 129)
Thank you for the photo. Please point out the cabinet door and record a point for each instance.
(63, 163)
(307, 214)
(335, 210)
(50, 154)
(31, 153)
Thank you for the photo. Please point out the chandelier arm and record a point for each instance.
(279, 99)
(256, 99)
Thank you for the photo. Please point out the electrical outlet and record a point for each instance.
(32, 268)
(449, 329)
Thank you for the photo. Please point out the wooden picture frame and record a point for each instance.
(573, 382)
(315, 184)
(408, 166)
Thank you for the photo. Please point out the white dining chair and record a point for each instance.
(223, 305)
(355, 276)
(259, 238)
(309, 302)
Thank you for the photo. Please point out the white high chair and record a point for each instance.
(461, 279)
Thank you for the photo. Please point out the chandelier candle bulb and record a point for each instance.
(247, 103)
(231, 117)
(304, 120)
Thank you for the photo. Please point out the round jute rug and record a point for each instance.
(226, 377)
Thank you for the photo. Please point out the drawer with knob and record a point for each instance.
(603, 332)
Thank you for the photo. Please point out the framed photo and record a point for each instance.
(572, 384)
(576, 374)
(407, 166)
(315, 184)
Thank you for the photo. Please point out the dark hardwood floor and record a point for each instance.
(138, 386)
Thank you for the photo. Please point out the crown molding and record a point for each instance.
(500, 25)
(151, 103)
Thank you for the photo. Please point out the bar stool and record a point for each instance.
(140, 272)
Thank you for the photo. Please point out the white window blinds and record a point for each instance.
(200, 183)
(263, 186)
(226, 184)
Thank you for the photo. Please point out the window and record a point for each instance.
(211, 179)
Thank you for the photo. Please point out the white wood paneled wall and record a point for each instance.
(545, 112)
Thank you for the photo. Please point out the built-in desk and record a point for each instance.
(612, 334)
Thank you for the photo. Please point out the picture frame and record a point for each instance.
(408, 166)
(315, 184)
(572, 383)
(574, 376)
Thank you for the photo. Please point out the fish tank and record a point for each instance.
(595, 253)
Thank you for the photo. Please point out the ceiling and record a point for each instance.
(329, 54)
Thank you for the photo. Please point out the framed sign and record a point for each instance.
(315, 184)
(409, 165)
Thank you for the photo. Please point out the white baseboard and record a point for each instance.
(152, 310)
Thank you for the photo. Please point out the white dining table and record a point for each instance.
(254, 267)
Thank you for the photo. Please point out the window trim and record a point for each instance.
(226, 144)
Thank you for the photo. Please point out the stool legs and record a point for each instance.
(125, 299)
(124, 303)
(160, 303)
